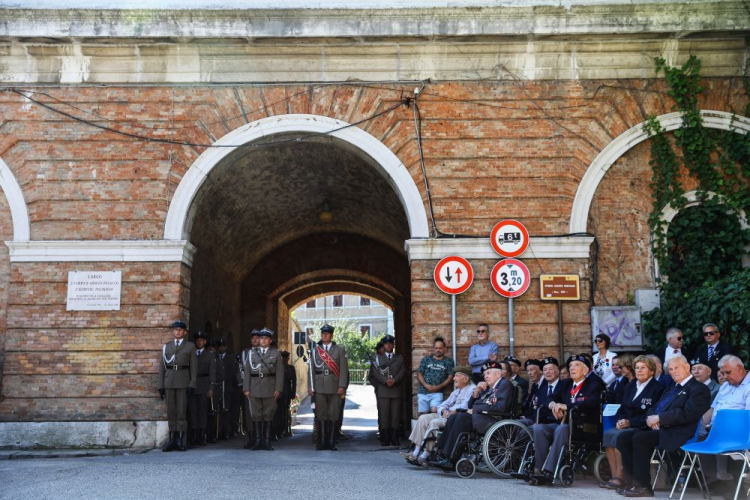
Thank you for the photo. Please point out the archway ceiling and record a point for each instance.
(262, 198)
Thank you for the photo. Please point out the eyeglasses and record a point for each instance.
(481, 331)
(599, 340)
(710, 332)
(678, 338)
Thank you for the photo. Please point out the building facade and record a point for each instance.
(193, 151)
(365, 315)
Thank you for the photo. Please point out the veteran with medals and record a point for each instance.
(178, 372)
(263, 384)
(329, 379)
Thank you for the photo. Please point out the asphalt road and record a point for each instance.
(360, 469)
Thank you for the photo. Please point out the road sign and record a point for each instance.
(454, 275)
(509, 238)
(560, 287)
(510, 278)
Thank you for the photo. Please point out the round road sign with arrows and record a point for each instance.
(510, 278)
(509, 238)
(454, 275)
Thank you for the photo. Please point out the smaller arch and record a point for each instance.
(579, 214)
(668, 213)
(19, 213)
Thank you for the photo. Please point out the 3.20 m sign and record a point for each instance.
(510, 278)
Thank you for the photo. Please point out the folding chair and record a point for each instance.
(661, 459)
(730, 435)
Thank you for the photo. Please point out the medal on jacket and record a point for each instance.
(574, 392)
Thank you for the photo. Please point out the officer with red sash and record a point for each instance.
(328, 385)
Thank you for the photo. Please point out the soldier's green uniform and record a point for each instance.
(389, 366)
(200, 401)
(264, 380)
(326, 384)
(178, 372)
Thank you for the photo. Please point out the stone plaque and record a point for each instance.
(94, 290)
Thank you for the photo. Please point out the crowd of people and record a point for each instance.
(212, 394)
(662, 400)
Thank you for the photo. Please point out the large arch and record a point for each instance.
(178, 222)
(18, 211)
(629, 139)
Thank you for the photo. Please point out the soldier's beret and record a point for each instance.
(201, 335)
(463, 369)
(549, 360)
(579, 357)
(388, 338)
(534, 362)
(490, 365)
(697, 361)
(265, 332)
(179, 324)
(221, 342)
(326, 329)
(254, 333)
(514, 360)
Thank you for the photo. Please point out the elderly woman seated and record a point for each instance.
(458, 400)
(637, 398)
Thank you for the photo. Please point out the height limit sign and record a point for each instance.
(453, 275)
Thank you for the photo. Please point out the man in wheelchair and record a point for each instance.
(491, 399)
(581, 395)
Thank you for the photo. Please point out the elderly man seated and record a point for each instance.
(582, 391)
(734, 394)
(669, 424)
(458, 400)
(493, 396)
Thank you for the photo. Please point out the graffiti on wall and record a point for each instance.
(621, 323)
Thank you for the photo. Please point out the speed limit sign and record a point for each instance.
(510, 278)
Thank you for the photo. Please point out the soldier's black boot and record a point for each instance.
(181, 441)
(395, 441)
(331, 435)
(267, 426)
(385, 436)
(257, 434)
(250, 441)
(203, 437)
(170, 443)
(322, 436)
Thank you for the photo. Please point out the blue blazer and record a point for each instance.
(678, 421)
(635, 410)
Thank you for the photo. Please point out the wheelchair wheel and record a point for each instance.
(602, 473)
(567, 475)
(465, 468)
(504, 445)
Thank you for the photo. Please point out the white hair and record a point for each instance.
(731, 359)
(672, 332)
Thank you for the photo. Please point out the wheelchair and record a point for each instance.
(499, 450)
(584, 440)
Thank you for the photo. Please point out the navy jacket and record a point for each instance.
(722, 349)
(635, 411)
(616, 389)
(492, 401)
(588, 399)
(678, 421)
(540, 402)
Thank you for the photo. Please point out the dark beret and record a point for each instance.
(579, 357)
(514, 360)
(490, 365)
(534, 362)
(549, 360)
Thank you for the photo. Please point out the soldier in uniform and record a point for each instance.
(254, 344)
(329, 381)
(226, 372)
(199, 400)
(389, 374)
(282, 417)
(263, 385)
(178, 373)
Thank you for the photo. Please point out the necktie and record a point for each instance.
(711, 352)
(389, 356)
(666, 399)
(200, 352)
(549, 391)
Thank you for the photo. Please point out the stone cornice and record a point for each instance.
(567, 247)
(102, 251)
(679, 18)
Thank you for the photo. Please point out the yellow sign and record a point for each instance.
(560, 287)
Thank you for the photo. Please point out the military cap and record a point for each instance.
(530, 362)
(221, 342)
(549, 360)
(179, 324)
(490, 365)
(201, 335)
(387, 339)
(326, 328)
(265, 332)
(580, 357)
(514, 360)
(462, 369)
(254, 333)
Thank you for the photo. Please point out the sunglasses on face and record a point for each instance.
(481, 331)
(709, 333)
(599, 340)
(678, 338)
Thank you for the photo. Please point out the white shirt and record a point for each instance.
(639, 387)
(198, 352)
(177, 342)
(669, 354)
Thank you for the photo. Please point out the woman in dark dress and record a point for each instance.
(640, 395)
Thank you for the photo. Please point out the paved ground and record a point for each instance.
(361, 469)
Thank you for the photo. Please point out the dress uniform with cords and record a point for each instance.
(263, 385)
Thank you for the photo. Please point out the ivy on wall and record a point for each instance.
(700, 252)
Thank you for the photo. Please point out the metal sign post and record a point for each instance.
(558, 288)
(510, 326)
(453, 275)
(510, 278)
